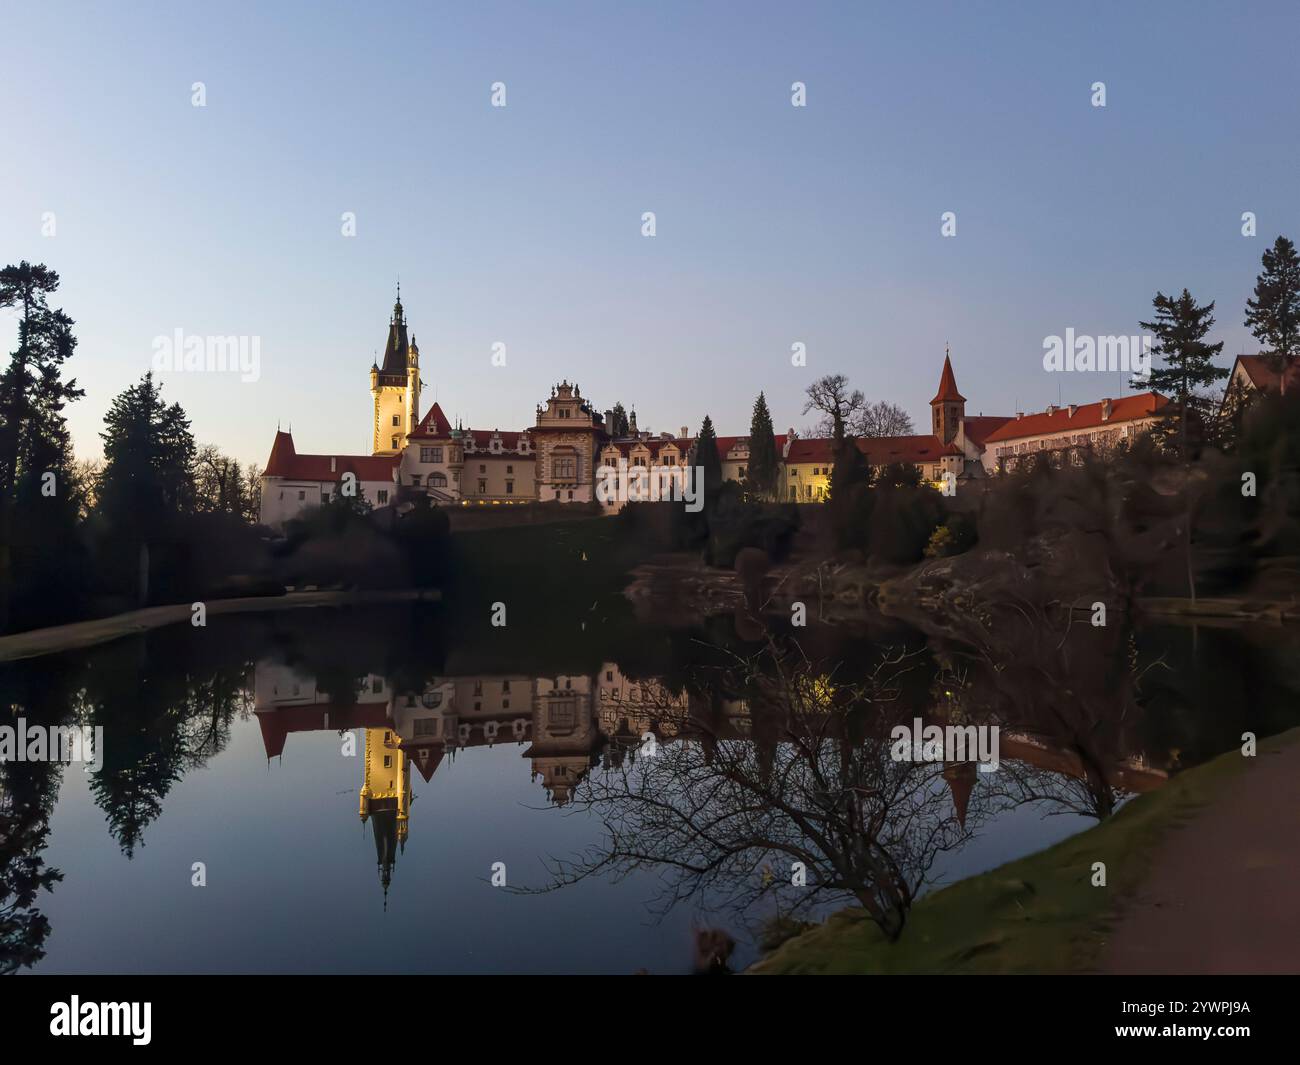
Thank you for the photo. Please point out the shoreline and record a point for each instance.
(57, 638)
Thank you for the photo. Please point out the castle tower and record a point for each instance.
(948, 407)
(395, 387)
(385, 798)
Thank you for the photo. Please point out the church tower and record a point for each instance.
(395, 387)
(948, 407)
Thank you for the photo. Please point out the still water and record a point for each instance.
(255, 748)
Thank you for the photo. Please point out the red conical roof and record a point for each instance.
(947, 386)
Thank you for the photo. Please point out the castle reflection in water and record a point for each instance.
(567, 725)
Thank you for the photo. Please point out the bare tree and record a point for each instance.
(838, 405)
(224, 486)
(882, 419)
(797, 800)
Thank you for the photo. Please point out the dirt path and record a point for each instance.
(86, 633)
(1221, 895)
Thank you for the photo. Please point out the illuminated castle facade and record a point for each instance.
(557, 459)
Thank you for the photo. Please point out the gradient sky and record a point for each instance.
(522, 224)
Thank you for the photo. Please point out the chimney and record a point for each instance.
(1051, 409)
(1019, 414)
(686, 431)
(1072, 408)
(334, 464)
(1105, 410)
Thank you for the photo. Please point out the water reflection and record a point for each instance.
(751, 779)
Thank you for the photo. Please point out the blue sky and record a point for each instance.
(522, 224)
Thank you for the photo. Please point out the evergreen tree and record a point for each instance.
(618, 426)
(707, 457)
(1273, 314)
(762, 472)
(38, 512)
(147, 483)
(149, 458)
(1179, 328)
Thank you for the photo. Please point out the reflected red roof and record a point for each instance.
(311, 717)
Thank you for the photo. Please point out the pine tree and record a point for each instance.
(762, 471)
(618, 424)
(1273, 314)
(34, 439)
(1179, 329)
(707, 458)
(148, 478)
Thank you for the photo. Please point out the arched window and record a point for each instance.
(437, 480)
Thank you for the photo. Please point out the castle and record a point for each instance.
(557, 458)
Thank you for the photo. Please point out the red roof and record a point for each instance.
(979, 427)
(726, 443)
(276, 724)
(286, 462)
(1260, 370)
(483, 438)
(433, 424)
(882, 450)
(654, 446)
(1087, 416)
(878, 450)
(948, 385)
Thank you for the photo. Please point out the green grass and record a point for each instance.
(1039, 914)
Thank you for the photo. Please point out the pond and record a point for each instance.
(223, 830)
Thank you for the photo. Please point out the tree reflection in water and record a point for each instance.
(777, 785)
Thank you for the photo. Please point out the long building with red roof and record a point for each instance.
(559, 457)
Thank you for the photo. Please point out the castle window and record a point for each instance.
(564, 467)
(437, 480)
(510, 469)
(383, 496)
(482, 468)
(426, 726)
(394, 443)
(388, 761)
(562, 715)
(397, 420)
(510, 488)
(302, 493)
(431, 454)
(482, 488)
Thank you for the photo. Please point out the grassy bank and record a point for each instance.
(1039, 914)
